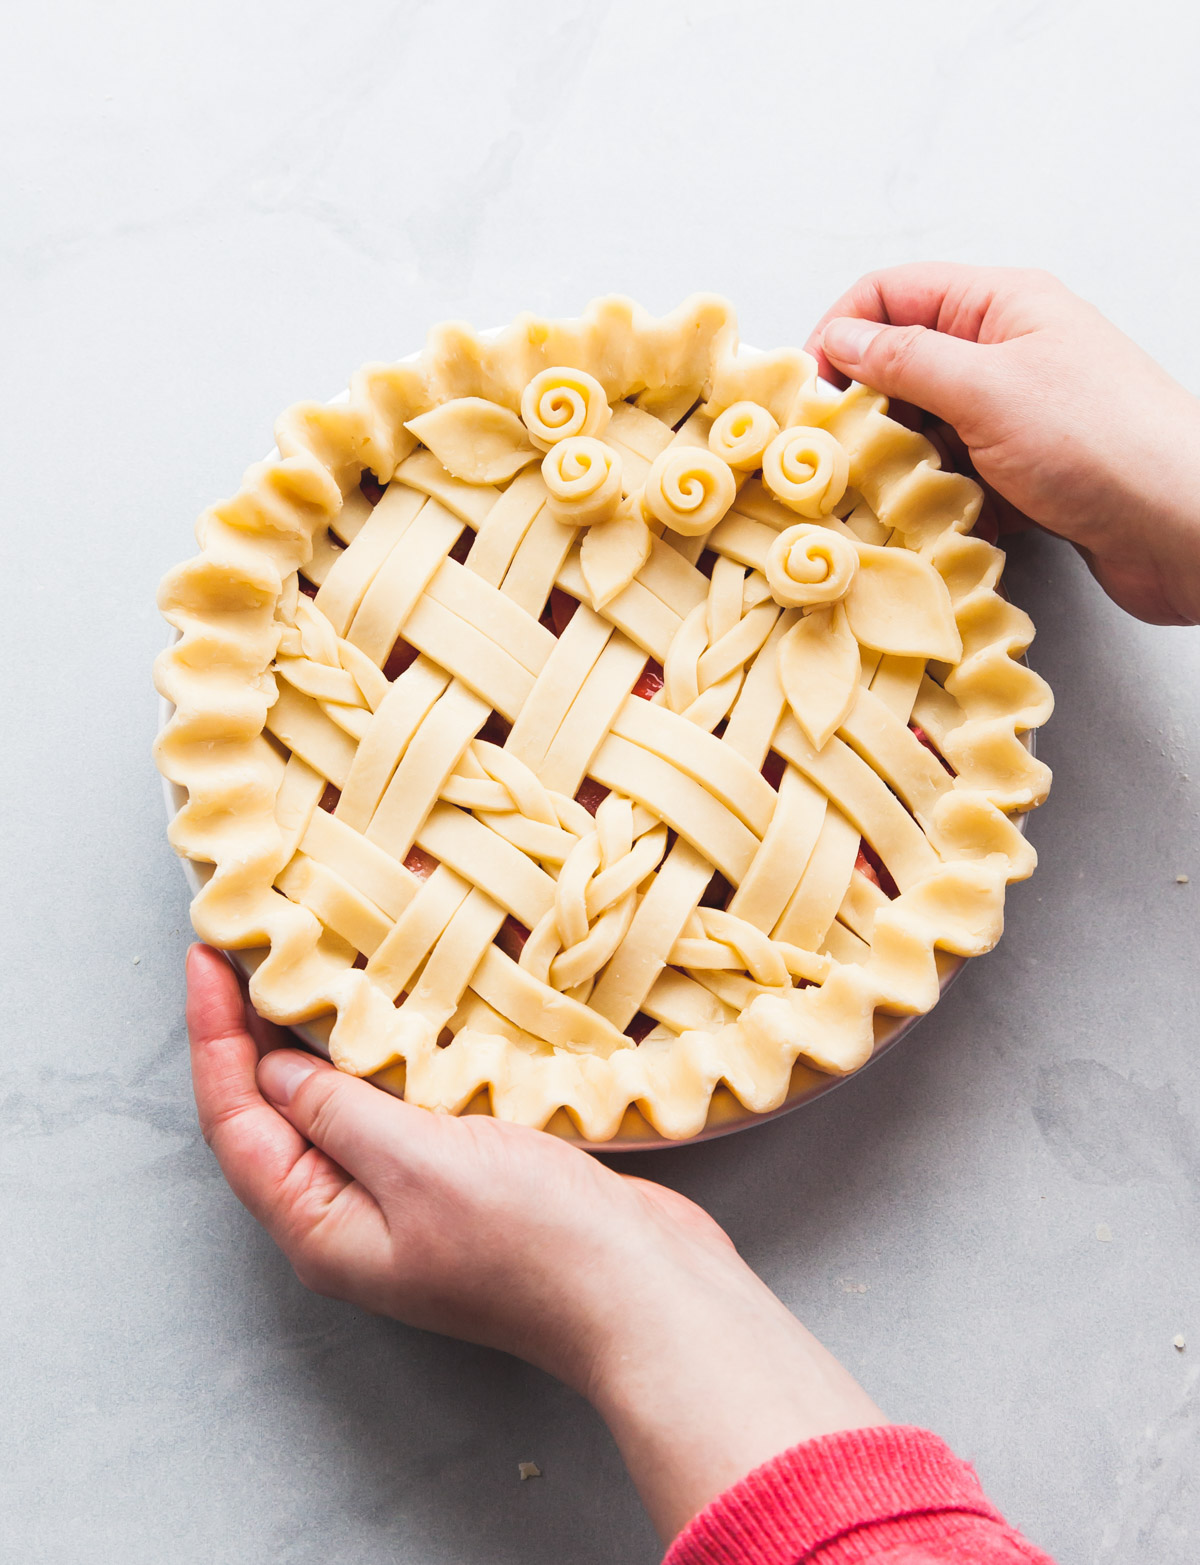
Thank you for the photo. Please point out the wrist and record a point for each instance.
(703, 1374)
(1140, 528)
(1174, 535)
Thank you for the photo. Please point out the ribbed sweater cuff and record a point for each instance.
(821, 1490)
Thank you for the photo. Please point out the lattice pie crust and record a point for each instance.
(651, 652)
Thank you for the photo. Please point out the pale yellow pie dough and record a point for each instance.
(806, 621)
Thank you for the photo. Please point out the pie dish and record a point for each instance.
(593, 714)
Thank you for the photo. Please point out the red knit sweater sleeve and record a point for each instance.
(892, 1495)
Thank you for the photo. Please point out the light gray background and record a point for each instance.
(215, 209)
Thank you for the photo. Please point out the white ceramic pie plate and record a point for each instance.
(635, 1134)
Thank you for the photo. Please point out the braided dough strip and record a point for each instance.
(224, 604)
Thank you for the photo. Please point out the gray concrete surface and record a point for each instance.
(214, 210)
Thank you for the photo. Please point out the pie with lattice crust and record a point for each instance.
(593, 713)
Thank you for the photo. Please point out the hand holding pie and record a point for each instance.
(1070, 423)
(495, 1233)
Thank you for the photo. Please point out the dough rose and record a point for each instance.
(583, 476)
(562, 402)
(806, 469)
(809, 564)
(741, 434)
(689, 490)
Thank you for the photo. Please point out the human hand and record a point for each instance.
(512, 1238)
(1065, 418)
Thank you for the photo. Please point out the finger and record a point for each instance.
(268, 1164)
(985, 304)
(942, 374)
(925, 293)
(379, 1139)
(913, 293)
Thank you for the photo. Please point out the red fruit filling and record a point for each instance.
(512, 937)
(872, 866)
(591, 795)
(401, 656)
(421, 864)
(706, 562)
(330, 797)
(864, 866)
(772, 769)
(640, 1026)
(717, 893)
(463, 546)
(496, 730)
(650, 681)
(562, 606)
(371, 487)
(923, 738)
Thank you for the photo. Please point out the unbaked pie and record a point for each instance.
(593, 713)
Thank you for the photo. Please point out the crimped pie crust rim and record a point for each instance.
(1016, 632)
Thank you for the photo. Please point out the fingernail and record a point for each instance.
(846, 340)
(281, 1075)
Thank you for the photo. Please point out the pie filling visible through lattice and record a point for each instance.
(594, 713)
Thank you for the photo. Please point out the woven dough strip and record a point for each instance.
(237, 610)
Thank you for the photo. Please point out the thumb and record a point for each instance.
(945, 375)
(365, 1130)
